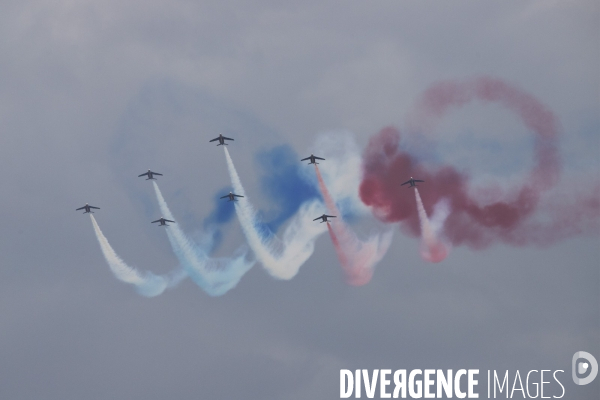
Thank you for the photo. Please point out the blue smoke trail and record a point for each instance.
(283, 182)
(146, 283)
(216, 276)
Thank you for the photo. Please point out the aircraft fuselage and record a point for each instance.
(412, 182)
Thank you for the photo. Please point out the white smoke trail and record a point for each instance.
(281, 258)
(441, 211)
(146, 283)
(433, 249)
(215, 276)
(342, 171)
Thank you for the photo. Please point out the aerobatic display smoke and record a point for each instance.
(215, 276)
(283, 181)
(433, 248)
(282, 258)
(146, 283)
(448, 209)
(511, 217)
(342, 171)
(358, 258)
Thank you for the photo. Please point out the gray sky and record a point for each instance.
(94, 93)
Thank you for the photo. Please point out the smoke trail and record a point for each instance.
(432, 247)
(283, 183)
(282, 258)
(358, 258)
(442, 97)
(342, 171)
(512, 218)
(216, 276)
(212, 235)
(146, 283)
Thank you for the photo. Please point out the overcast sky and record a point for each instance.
(93, 93)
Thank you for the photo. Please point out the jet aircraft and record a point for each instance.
(150, 175)
(163, 221)
(324, 217)
(231, 196)
(221, 140)
(87, 208)
(412, 182)
(312, 159)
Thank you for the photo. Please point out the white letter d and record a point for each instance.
(346, 390)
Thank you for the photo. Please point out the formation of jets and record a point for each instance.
(232, 196)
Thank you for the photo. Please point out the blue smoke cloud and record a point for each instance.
(221, 214)
(282, 182)
(282, 258)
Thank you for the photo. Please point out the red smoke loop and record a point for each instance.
(386, 166)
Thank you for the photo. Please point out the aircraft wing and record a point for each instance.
(80, 208)
(319, 158)
(142, 174)
(405, 183)
(223, 197)
(237, 195)
(227, 138)
(156, 173)
(97, 208)
(158, 220)
(317, 218)
(214, 139)
(304, 159)
(168, 220)
(330, 216)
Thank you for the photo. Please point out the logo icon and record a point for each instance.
(581, 367)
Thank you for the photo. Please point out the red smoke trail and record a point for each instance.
(508, 220)
(357, 258)
(355, 273)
